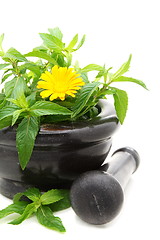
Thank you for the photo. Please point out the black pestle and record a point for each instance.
(97, 196)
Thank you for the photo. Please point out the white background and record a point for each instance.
(114, 29)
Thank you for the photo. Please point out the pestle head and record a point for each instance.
(96, 197)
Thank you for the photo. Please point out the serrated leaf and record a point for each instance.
(28, 211)
(80, 43)
(56, 32)
(26, 133)
(15, 86)
(63, 203)
(91, 67)
(42, 55)
(7, 111)
(120, 103)
(123, 69)
(14, 54)
(5, 77)
(2, 97)
(32, 193)
(72, 43)
(51, 196)
(4, 65)
(41, 108)
(16, 115)
(1, 41)
(84, 96)
(52, 42)
(46, 218)
(128, 79)
(17, 207)
(5, 122)
(20, 101)
(32, 67)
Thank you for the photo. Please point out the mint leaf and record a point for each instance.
(123, 69)
(5, 122)
(42, 55)
(46, 218)
(91, 67)
(16, 115)
(14, 54)
(41, 108)
(17, 207)
(72, 43)
(4, 65)
(7, 111)
(2, 97)
(32, 193)
(52, 42)
(120, 103)
(56, 32)
(1, 41)
(28, 211)
(80, 43)
(15, 86)
(32, 67)
(26, 133)
(63, 203)
(84, 96)
(51, 196)
(128, 79)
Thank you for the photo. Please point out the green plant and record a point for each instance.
(64, 93)
(42, 205)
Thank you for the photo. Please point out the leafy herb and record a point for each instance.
(42, 205)
(64, 93)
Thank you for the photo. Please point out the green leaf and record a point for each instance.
(80, 43)
(91, 67)
(51, 196)
(7, 111)
(17, 207)
(72, 43)
(26, 133)
(123, 69)
(2, 97)
(4, 78)
(29, 210)
(63, 203)
(52, 42)
(128, 79)
(41, 108)
(4, 65)
(84, 96)
(56, 32)
(14, 54)
(46, 218)
(15, 86)
(42, 55)
(120, 103)
(5, 122)
(32, 67)
(1, 41)
(32, 193)
(16, 115)
(20, 101)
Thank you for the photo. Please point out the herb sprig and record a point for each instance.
(21, 102)
(40, 205)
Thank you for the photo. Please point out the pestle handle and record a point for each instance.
(124, 162)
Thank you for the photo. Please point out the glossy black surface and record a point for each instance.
(62, 151)
(97, 196)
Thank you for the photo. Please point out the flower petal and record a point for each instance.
(46, 93)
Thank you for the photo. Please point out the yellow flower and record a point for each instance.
(60, 82)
